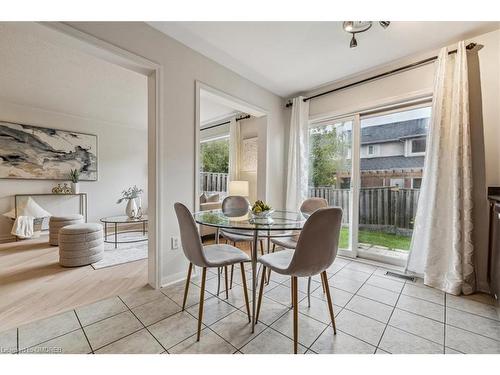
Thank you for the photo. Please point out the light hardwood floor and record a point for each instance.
(34, 286)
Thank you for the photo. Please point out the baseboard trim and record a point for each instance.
(4, 238)
(176, 277)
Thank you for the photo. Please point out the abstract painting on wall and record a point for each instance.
(31, 152)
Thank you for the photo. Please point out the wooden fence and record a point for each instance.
(213, 181)
(378, 207)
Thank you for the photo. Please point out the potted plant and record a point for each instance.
(74, 176)
(132, 196)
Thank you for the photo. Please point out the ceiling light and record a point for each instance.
(354, 27)
(354, 42)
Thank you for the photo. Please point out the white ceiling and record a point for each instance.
(211, 111)
(290, 57)
(40, 71)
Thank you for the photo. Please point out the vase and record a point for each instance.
(131, 209)
(75, 187)
(138, 202)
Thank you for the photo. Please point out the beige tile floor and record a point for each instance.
(375, 313)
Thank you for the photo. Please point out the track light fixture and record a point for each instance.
(354, 27)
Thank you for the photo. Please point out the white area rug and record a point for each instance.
(125, 252)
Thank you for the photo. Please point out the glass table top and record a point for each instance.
(279, 220)
(124, 219)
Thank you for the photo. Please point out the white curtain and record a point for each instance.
(442, 250)
(298, 150)
(234, 150)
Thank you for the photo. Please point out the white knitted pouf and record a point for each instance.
(81, 244)
(57, 222)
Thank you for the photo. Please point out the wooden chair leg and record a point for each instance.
(309, 291)
(295, 315)
(268, 276)
(186, 289)
(202, 299)
(261, 291)
(324, 277)
(226, 281)
(274, 247)
(232, 271)
(261, 247)
(323, 284)
(245, 291)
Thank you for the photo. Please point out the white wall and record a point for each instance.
(484, 87)
(122, 162)
(181, 67)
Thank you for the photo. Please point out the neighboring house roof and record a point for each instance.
(395, 131)
(392, 162)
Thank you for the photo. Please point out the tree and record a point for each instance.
(215, 156)
(327, 155)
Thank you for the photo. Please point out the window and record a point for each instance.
(371, 150)
(416, 183)
(398, 182)
(417, 147)
(214, 155)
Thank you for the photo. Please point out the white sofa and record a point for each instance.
(210, 201)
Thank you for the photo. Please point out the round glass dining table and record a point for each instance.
(279, 224)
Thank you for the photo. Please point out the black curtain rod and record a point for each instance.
(397, 70)
(226, 122)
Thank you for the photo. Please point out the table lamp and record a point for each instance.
(238, 188)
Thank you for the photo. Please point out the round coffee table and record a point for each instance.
(115, 220)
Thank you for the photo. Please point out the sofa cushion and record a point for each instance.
(203, 198)
(213, 198)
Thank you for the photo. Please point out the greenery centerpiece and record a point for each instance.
(74, 176)
(132, 196)
(261, 212)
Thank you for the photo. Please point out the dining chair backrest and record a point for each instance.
(190, 237)
(312, 204)
(317, 245)
(235, 206)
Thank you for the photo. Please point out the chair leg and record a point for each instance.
(274, 247)
(232, 271)
(226, 281)
(261, 291)
(309, 291)
(295, 315)
(202, 299)
(245, 291)
(261, 247)
(322, 284)
(218, 281)
(186, 289)
(329, 299)
(268, 276)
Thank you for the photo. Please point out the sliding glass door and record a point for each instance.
(331, 166)
(372, 167)
(392, 153)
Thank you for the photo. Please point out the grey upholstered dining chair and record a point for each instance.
(315, 251)
(307, 208)
(210, 256)
(236, 206)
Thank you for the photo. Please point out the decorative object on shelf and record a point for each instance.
(356, 27)
(57, 189)
(74, 175)
(132, 195)
(261, 212)
(32, 152)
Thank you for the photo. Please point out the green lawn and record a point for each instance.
(392, 241)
